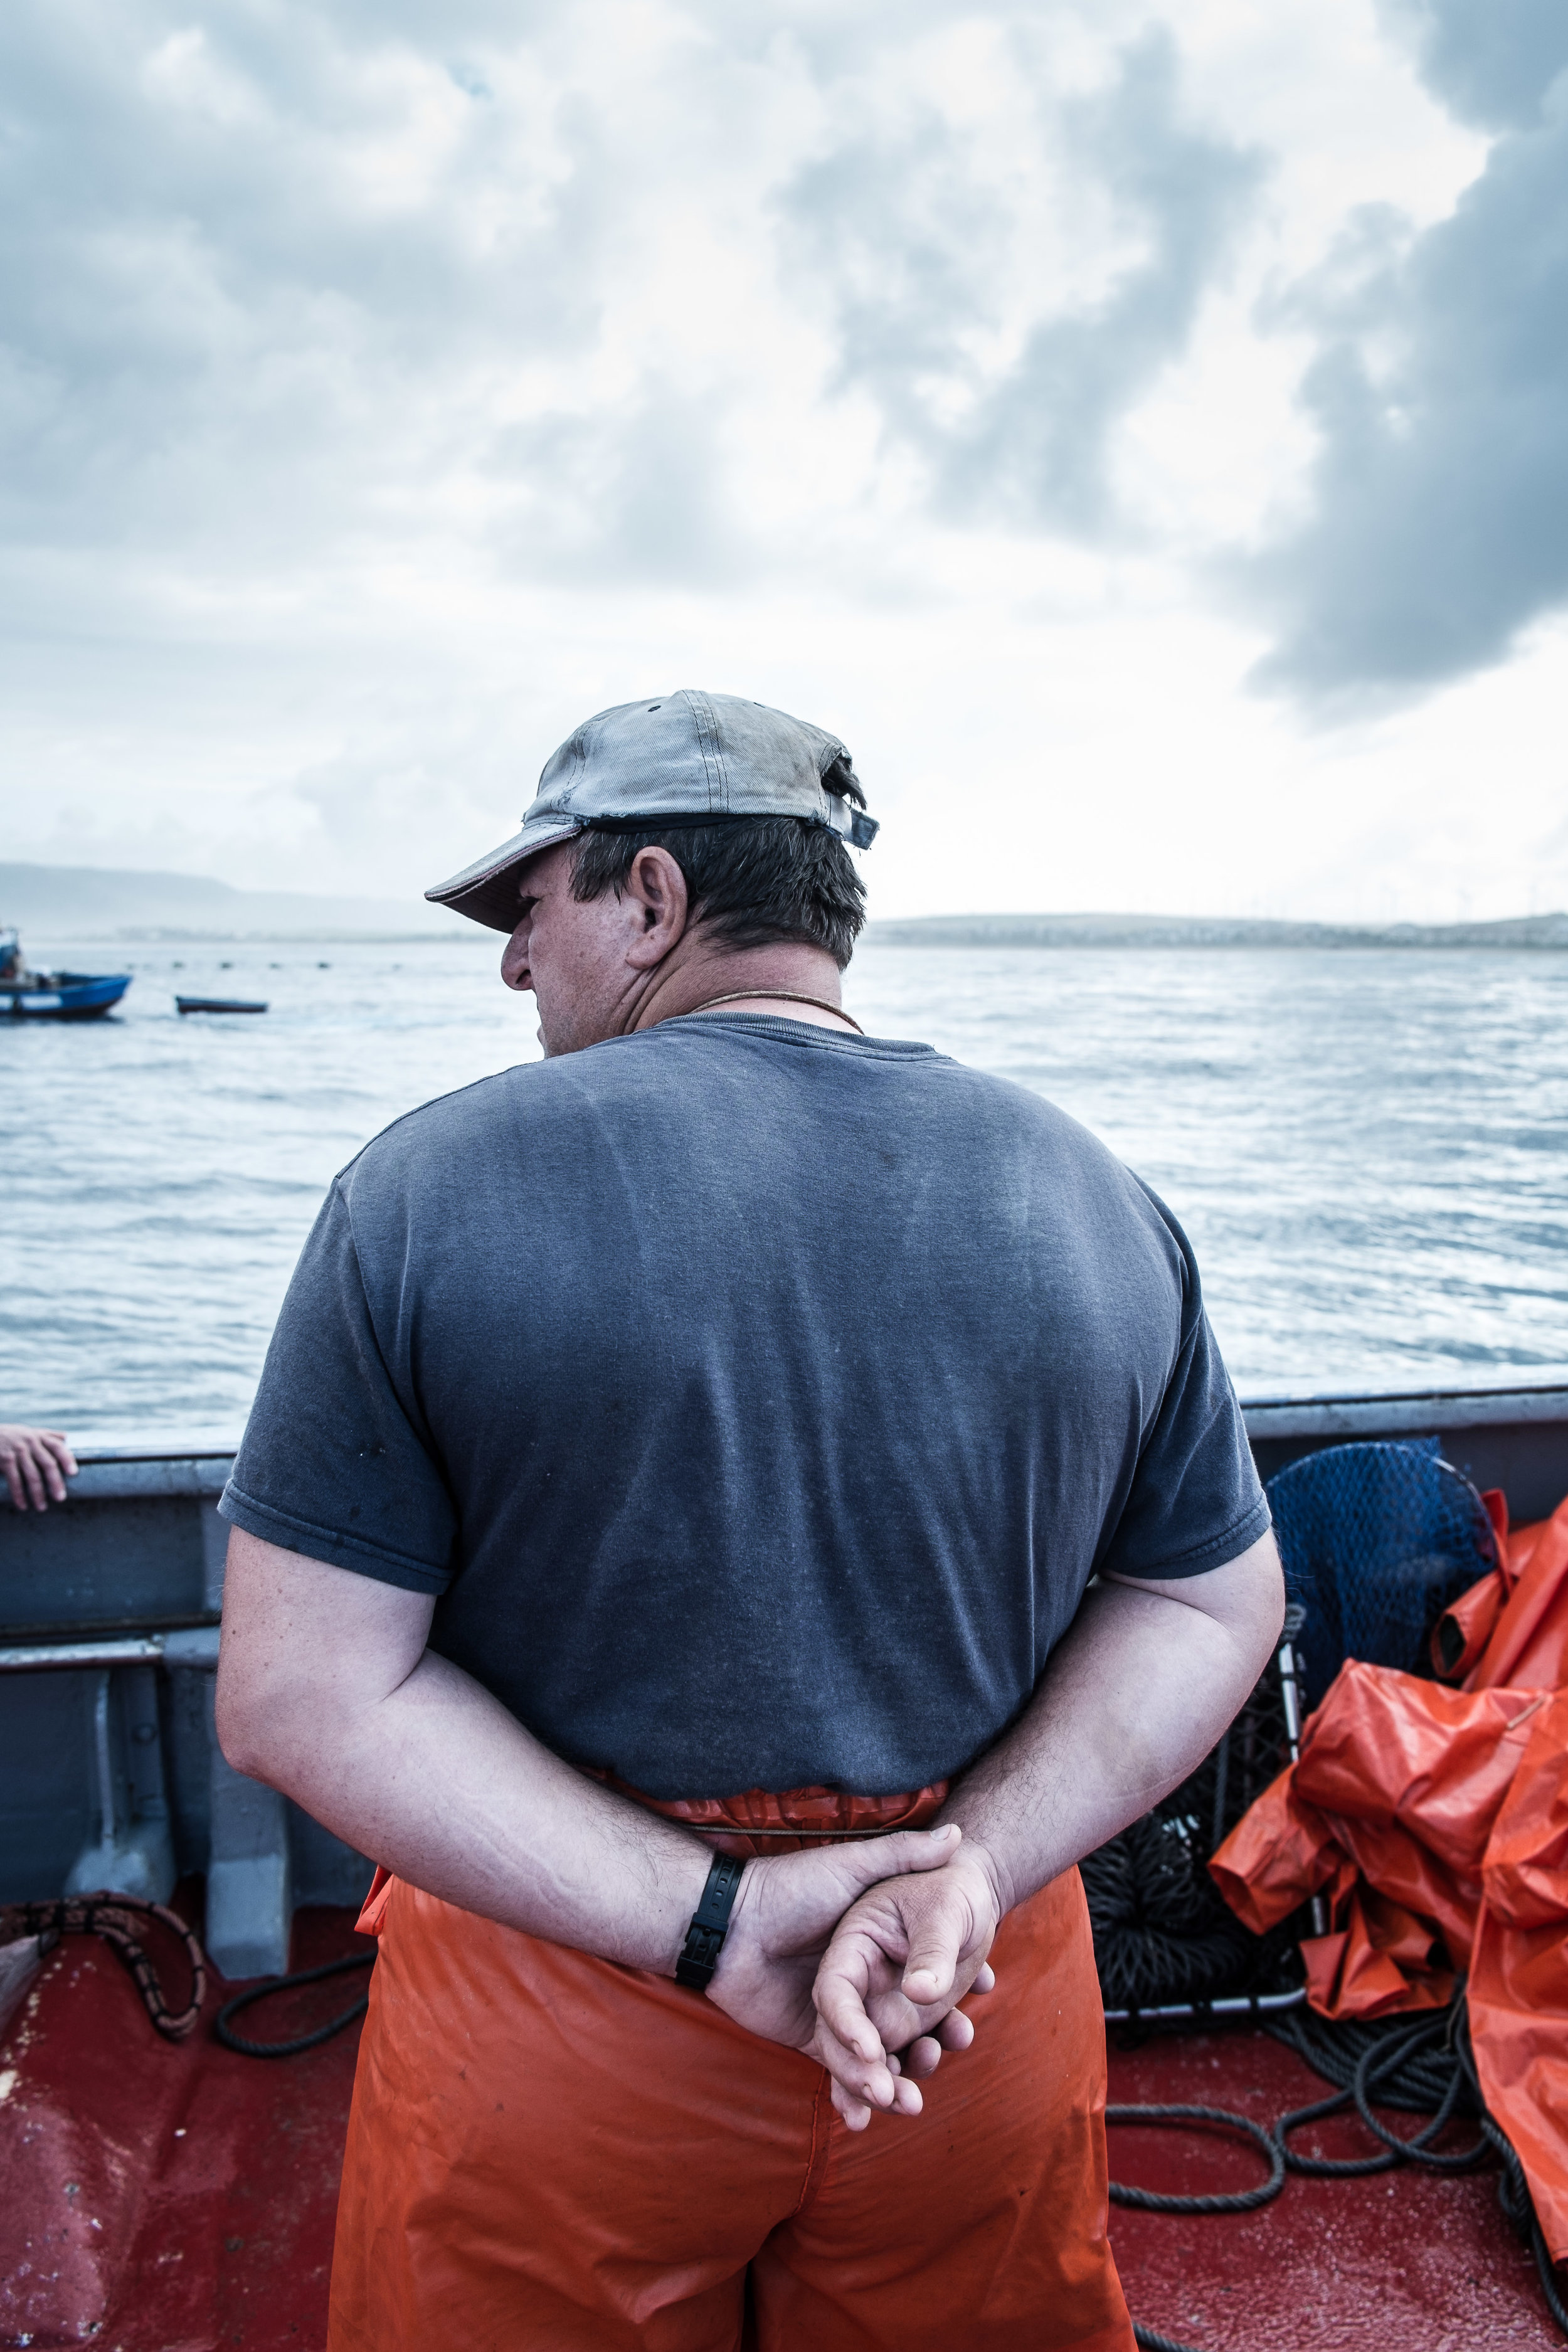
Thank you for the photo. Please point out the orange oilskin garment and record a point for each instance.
(1514, 1623)
(1388, 1814)
(547, 2149)
(1435, 1824)
(1518, 1970)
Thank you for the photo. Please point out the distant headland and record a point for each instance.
(102, 902)
(105, 902)
(1528, 932)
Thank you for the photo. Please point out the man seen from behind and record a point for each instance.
(735, 1510)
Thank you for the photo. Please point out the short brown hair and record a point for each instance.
(752, 881)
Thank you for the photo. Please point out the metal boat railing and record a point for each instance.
(109, 1613)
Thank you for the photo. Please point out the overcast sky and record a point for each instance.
(1139, 433)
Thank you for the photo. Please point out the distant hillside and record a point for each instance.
(1532, 931)
(102, 902)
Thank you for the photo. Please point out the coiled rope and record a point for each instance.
(1162, 1930)
(1420, 2064)
(117, 1919)
(224, 2030)
(1419, 2061)
(1433, 2071)
(1240, 2200)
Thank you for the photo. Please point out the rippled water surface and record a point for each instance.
(1370, 1150)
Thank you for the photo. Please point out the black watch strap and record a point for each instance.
(709, 1921)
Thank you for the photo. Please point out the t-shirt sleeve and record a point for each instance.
(1195, 1501)
(334, 1463)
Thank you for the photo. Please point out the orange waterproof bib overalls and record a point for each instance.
(551, 2153)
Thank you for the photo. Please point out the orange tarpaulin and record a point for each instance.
(1434, 1822)
(1388, 1814)
(1528, 1648)
(1518, 1970)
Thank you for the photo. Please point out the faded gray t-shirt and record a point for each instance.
(757, 1399)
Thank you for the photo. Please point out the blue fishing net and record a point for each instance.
(1377, 1540)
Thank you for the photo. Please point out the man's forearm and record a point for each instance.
(408, 1759)
(439, 1781)
(327, 1691)
(1134, 1696)
(1132, 1699)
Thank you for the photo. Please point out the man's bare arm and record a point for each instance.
(1146, 1679)
(1136, 1693)
(327, 1691)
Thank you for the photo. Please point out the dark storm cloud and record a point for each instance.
(1492, 64)
(917, 247)
(1439, 521)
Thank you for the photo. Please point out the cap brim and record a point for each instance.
(487, 891)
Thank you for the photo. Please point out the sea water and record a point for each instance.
(1368, 1148)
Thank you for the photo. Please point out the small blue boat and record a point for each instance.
(53, 995)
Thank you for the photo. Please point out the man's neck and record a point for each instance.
(796, 983)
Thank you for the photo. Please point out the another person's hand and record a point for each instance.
(903, 1954)
(36, 1464)
(787, 1910)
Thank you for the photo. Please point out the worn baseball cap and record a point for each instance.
(677, 759)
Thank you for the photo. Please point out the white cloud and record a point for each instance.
(384, 388)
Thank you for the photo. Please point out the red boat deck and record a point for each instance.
(1407, 2259)
(170, 2198)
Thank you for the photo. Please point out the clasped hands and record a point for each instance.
(858, 1954)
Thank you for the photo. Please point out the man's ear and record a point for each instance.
(654, 890)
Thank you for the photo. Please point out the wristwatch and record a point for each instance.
(709, 1924)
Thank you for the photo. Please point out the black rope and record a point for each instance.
(1148, 2201)
(1237, 2201)
(1414, 2065)
(1164, 1933)
(1419, 2065)
(248, 2049)
(1427, 2068)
